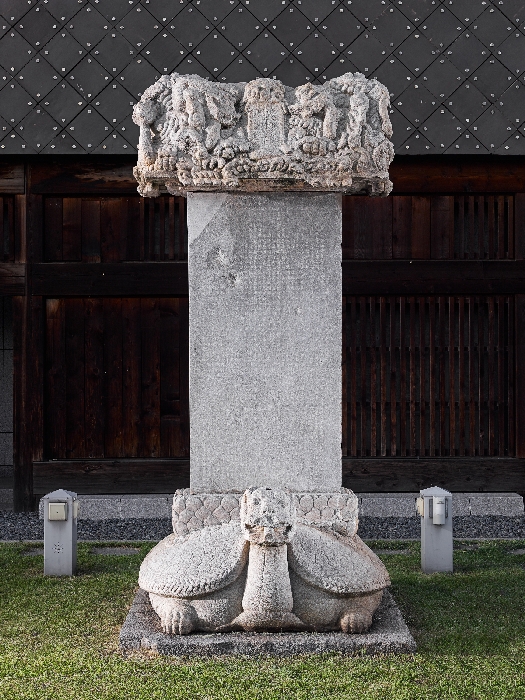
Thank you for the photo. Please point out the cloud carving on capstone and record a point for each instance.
(198, 135)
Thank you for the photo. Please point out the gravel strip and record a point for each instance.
(27, 526)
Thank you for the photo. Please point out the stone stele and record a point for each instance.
(265, 538)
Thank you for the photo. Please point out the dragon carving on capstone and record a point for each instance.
(198, 135)
(264, 560)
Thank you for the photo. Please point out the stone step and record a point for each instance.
(378, 505)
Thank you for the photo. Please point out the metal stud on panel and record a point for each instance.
(63, 52)
(240, 70)
(113, 10)
(88, 27)
(164, 53)
(139, 75)
(442, 128)
(15, 51)
(89, 128)
(37, 26)
(114, 52)
(266, 10)
(14, 10)
(467, 143)
(366, 52)
(15, 103)
(64, 103)
(492, 128)
(113, 103)
(293, 72)
(392, 27)
(215, 53)
(492, 78)
(467, 102)
(417, 10)
(165, 10)
(240, 27)
(290, 27)
(368, 10)
(416, 103)
(38, 77)
(394, 75)
(467, 53)
(442, 77)
(216, 10)
(190, 27)
(265, 53)
(316, 51)
(416, 52)
(37, 128)
(512, 52)
(512, 103)
(442, 27)
(138, 26)
(491, 28)
(467, 10)
(88, 77)
(317, 10)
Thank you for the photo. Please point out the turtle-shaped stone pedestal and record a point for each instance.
(264, 560)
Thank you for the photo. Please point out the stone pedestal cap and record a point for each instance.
(197, 135)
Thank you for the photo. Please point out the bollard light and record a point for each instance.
(60, 533)
(434, 505)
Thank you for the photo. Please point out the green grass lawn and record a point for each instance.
(58, 637)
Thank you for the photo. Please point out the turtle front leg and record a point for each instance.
(357, 614)
(176, 616)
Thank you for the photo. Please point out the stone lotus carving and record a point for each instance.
(197, 135)
(264, 560)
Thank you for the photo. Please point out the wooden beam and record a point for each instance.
(433, 277)
(12, 176)
(110, 279)
(12, 279)
(85, 175)
(112, 476)
(457, 174)
(454, 474)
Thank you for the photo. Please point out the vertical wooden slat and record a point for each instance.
(112, 228)
(393, 378)
(10, 232)
(519, 225)
(91, 230)
(133, 232)
(501, 228)
(480, 218)
(412, 373)
(509, 208)
(420, 227)
(113, 378)
(55, 419)
(402, 227)
(183, 229)
(151, 231)
(383, 387)
(20, 232)
(131, 377)
(72, 229)
(502, 400)
(512, 355)
(4, 238)
(442, 227)
(171, 437)
(53, 229)
(95, 410)
(432, 374)
(363, 378)
(520, 374)
(172, 250)
(402, 378)
(351, 339)
(142, 228)
(471, 243)
(441, 369)
(481, 377)
(344, 380)
(347, 227)
(150, 377)
(452, 373)
(459, 227)
(75, 362)
(422, 377)
(490, 440)
(471, 380)
(461, 376)
(491, 226)
(373, 377)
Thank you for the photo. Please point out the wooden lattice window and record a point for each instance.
(429, 376)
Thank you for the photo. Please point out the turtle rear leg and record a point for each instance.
(357, 614)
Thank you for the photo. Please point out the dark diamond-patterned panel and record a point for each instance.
(240, 27)
(164, 52)
(467, 103)
(341, 27)
(442, 77)
(63, 52)
(105, 53)
(316, 51)
(367, 53)
(37, 26)
(442, 128)
(15, 51)
(442, 27)
(492, 128)
(215, 53)
(392, 28)
(38, 77)
(64, 103)
(316, 10)
(88, 27)
(88, 77)
(138, 26)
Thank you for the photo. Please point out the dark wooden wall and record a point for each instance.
(433, 328)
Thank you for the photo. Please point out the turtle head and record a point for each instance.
(268, 516)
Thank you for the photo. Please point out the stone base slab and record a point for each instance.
(388, 635)
(375, 505)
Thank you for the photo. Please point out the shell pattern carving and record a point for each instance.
(197, 135)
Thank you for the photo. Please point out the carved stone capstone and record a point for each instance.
(197, 135)
(264, 560)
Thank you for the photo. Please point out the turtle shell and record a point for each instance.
(345, 566)
(203, 562)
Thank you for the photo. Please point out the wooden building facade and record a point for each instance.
(433, 315)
